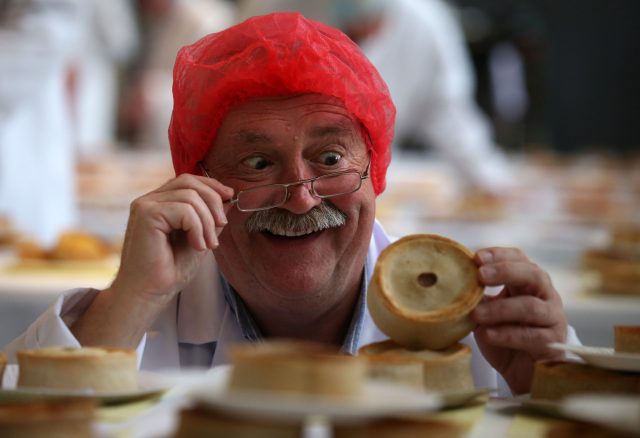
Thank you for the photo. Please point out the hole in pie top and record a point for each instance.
(427, 279)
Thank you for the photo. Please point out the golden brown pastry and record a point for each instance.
(442, 370)
(200, 422)
(398, 428)
(626, 236)
(403, 369)
(618, 264)
(61, 418)
(627, 338)
(3, 364)
(7, 233)
(78, 246)
(573, 429)
(296, 367)
(70, 246)
(30, 250)
(554, 380)
(422, 290)
(103, 369)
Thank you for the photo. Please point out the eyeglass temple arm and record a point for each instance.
(203, 169)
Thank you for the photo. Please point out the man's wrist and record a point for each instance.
(118, 318)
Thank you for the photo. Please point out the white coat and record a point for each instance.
(37, 156)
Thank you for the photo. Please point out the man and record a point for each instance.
(280, 136)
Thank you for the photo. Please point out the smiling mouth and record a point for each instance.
(292, 234)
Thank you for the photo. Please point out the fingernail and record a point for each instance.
(488, 273)
(485, 256)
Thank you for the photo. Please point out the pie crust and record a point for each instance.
(618, 264)
(296, 367)
(63, 418)
(103, 369)
(399, 428)
(423, 288)
(437, 370)
(627, 338)
(555, 380)
(203, 422)
(3, 364)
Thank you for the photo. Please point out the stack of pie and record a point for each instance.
(103, 369)
(437, 370)
(280, 368)
(423, 288)
(60, 418)
(618, 264)
(296, 367)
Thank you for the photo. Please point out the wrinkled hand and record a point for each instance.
(515, 326)
(168, 233)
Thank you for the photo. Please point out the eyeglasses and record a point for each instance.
(274, 195)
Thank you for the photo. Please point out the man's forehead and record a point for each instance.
(252, 121)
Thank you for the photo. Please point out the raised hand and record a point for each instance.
(515, 327)
(167, 236)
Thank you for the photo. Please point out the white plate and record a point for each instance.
(603, 357)
(617, 411)
(149, 385)
(375, 400)
(461, 397)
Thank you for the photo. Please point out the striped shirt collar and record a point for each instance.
(252, 333)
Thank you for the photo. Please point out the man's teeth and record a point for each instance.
(289, 233)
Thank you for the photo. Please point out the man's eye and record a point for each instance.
(257, 163)
(330, 158)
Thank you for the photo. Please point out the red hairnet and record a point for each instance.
(277, 54)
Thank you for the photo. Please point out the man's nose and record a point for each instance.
(300, 200)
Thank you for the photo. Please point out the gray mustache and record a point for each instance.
(279, 221)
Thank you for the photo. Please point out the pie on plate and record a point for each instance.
(101, 369)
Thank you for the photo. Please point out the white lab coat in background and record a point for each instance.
(110, 38)
(420, 52)
(203, 316)
(38, 39)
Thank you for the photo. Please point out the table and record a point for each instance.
(26, 291)
(497, 418)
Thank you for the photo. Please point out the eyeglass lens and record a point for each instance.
(274, 195)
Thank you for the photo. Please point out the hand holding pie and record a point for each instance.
(516, 326)
(423, 288)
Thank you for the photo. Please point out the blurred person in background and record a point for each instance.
(166, 25)
(38, 42)
(418, 48)
(110, 39)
